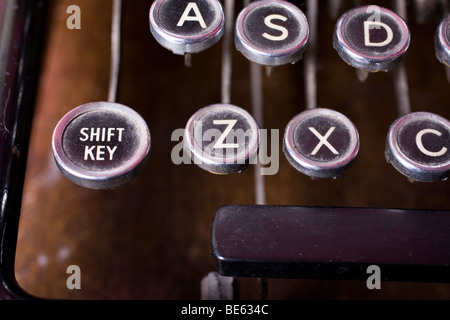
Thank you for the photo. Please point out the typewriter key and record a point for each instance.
(186, 27)
(101, 145)
(222, 138)
(418, 146)
(371, 38)
(321, 143)
(272, 32)
(442, 41)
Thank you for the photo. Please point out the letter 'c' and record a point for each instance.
(423, 149)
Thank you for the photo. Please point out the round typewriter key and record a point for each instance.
(101, 145)
(222, 138)
(418, 146)
(186, 26)
(272, 32)
(371, 38)
(442, 41)
(321, 143)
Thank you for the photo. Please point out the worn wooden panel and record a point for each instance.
(150, 238)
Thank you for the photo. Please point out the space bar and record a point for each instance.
(331, 243)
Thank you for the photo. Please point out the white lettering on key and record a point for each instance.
(111, 151)
(88, 152)
(423, 149)
(376, 24)
(323, 140)
(268, 22)
(101, 134)
(219, 144)
(85, 135)
(97, 153)
(100, 153)
(120, 134)
(197, 17)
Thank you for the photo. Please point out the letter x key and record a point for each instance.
(321, 143)
(323, 140)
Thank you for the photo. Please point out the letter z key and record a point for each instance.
(222, 138)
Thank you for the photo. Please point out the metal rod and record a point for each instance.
(400, 8)
(226, 51)
(444, 6)
(256, 87)
(447, 72)
(263, 288)
(362, 75)
(258, 113)
(402, 89)
(188, 60)
(400, 76)
(310, 56)
(334, 8)
(115, 50)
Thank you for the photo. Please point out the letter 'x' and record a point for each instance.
(323, 140)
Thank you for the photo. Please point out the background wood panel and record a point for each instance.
(149, 239)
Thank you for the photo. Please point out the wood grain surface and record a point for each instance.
(150, 239)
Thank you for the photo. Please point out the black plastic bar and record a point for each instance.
(20, 66)
(331, 243)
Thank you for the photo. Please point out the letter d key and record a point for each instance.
(371, 38)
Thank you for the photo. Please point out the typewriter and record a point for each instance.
(334, 185)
